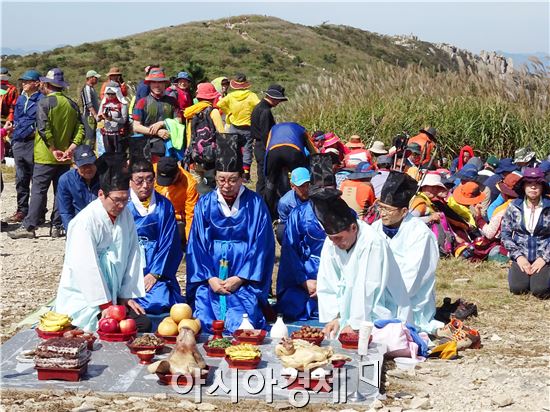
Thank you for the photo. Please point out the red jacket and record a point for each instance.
(8, 100)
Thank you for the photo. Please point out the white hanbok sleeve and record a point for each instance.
(327, 284)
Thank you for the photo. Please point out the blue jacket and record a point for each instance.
(287, 203)
(73, 194)
(24, 116)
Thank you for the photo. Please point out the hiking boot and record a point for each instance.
(465, 310)
(57, 231)
(246, 176)
(17, 217)
(22, 233)
(449, 329)
(466, 338)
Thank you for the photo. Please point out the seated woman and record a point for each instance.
(526, 236)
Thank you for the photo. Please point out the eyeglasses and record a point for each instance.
(119, 202)
(231, 181)
(387, 210)
(139, 181)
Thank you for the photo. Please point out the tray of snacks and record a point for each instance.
(146, 342)
(62, 358)
(215, 348)
(309, 334)
(254, 336)
(243, 356)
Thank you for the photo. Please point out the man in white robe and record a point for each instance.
(413, 245)
(102, 264)
(357, 279)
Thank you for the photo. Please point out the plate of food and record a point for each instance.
(254, 336)
(243, 356)
(350, 340)
(215, 348)
(146, 342)
(309, 334)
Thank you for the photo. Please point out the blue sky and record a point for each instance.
(520, 27)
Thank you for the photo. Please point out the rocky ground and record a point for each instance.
(510, 372)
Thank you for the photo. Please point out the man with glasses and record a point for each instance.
(159, 239)
(402, 231)
(231, 247)
(102, 264)
(357, 279)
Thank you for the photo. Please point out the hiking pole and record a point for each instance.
(427, 169)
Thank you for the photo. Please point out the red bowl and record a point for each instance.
(116, 337)
(168, 379)
(136, 348)
(247, 364)
(350, 340)
(64, 374)
(169, 340)
(145, 357)
(214, 352)
(239, 335)
(315, 341)
(49, 335)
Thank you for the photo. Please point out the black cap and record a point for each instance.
(167, 170)
(229, 157)
(332, 211)
(277, 92)
(322, 174)
(84, 155)
(398, 189)
(113, 172)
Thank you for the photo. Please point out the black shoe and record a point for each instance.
(22, 233)
(4, 225)
(57, 231)
(465, 310)
(444, 312)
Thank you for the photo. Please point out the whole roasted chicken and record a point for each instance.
(183, 359)
(302, 355)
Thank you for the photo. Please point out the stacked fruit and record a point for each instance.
(116, 321)
(181, 316)
(54, 322)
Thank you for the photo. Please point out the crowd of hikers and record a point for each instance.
(361, 226)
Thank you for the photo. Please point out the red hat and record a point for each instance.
(239, 82)
(156, 75)
(207, 91)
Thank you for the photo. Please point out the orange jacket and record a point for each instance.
(424, 140)
(359, 195)
(183, 195)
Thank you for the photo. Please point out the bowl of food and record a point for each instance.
(145, 356)
(146, 342)
(309, 334)
(243, 356)
(254, 336)
(215, 348)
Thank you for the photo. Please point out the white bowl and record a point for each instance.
(405, 363)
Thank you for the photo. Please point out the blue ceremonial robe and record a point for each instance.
(245, 240)
(300, 254)
(161, 246)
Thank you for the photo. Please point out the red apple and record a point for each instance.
(117, 312)
(108, 325)
(127, 326)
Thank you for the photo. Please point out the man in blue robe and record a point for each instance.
(301, 250)
(159, 240)
(231, 248)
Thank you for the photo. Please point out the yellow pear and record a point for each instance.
(167, 327)
(190, 324)
(180, 311)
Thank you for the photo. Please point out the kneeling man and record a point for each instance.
(413, 245)
(357, 280)
(102, 264)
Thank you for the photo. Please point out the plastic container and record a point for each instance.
(116, 337)
(63, 374)
(240, 336)
(170, 340)
(405, 363)
(245, 324)
(247, 364)
(279, 330)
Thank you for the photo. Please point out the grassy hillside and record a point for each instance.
(265, 48)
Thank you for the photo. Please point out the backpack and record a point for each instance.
(202, 148)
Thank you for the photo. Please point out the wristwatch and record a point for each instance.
(157, 277)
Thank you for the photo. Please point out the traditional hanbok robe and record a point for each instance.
(160, 243)
(361, 284)
(102, 263)
(225, 242)
(300, 253)
(415, 250)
